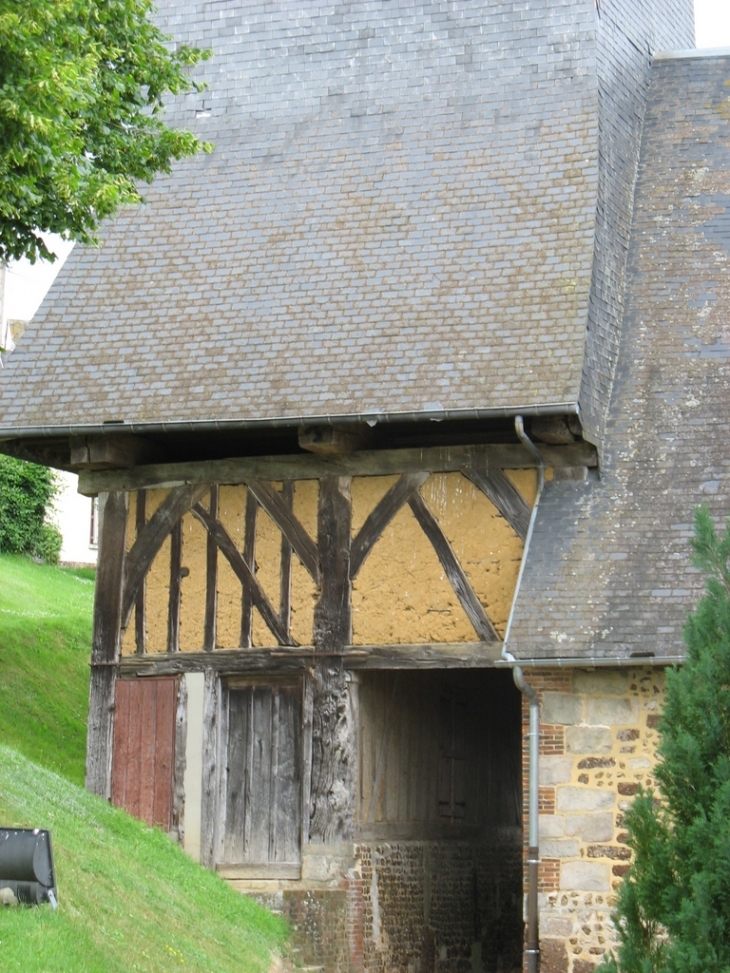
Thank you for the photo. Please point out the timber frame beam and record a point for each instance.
(230, 662)
(437, 459)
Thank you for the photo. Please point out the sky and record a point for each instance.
(26, 285)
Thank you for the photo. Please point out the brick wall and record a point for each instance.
(597, 743)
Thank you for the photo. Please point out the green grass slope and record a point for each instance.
(129, 900)
(45, 645)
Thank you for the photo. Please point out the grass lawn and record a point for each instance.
(129, 900)
(45, 646)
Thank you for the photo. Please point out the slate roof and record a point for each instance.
(608, 570)
(398, 218)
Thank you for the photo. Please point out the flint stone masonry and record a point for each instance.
(580, 824)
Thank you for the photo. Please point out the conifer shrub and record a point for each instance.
(673, 908)
(26, 496)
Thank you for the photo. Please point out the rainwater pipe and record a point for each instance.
(532, 950)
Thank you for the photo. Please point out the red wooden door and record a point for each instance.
(143, 755)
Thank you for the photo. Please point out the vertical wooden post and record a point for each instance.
(212, 742)
(106, 640)
(173, 613)
(211, 578)
(287, 495)
(333, 734)
(249, 556)
(140, 627)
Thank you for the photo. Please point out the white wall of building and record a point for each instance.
(72, 514)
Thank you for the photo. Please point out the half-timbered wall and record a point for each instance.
(434, 560)
(310, 753)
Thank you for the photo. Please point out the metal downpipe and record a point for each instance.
(532, 950)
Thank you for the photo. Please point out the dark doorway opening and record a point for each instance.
(440, 820)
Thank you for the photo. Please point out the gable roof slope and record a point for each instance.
(608, 573)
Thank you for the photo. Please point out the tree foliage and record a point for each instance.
(673, 911)
(26, 496)
(81, 88)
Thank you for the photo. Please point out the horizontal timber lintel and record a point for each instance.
(437, 459)
(452, 655)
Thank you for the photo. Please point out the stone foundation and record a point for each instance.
(597, 743)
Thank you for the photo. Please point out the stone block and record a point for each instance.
(556, 848)
(600, 682)
(584, 799)
(561, 708)
(555, 769)
(553, 956)
(589, 827)
(556, 926)
(585, 876)
(588, 739)
(553, 826)
(640, 763)
(611, 712)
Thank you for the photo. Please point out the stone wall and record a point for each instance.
(597, 744)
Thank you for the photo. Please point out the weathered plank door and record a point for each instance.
(143, 756)
(263, 801)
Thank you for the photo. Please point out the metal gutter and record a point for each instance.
(277, 422)
(589, 662)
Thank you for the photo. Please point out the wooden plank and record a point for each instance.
(106, 637)
(287, 807)
(333, 735)
(111, 451)
(121, 757)
(211, 578)
(262, 870)
(178, 775)
(454, 655)
(237, 796)
(249, 557)
(307, 743)
(140, 628)
(210, 789)
(144, 749)
(454, 572)
(164, 755)
(287, 497)
(274, 737)
(436, 459)
(284, 518)
(504, 495)
(173, 605)
(149, 542)
(379, 518)
(243, 572)
(333, 613)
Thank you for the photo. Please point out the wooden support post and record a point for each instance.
(211, 579)
(333, 734)
(106, 640)
(249, 556)
(287, 496)
(173, 611)
(211, 780)
(140, 627)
